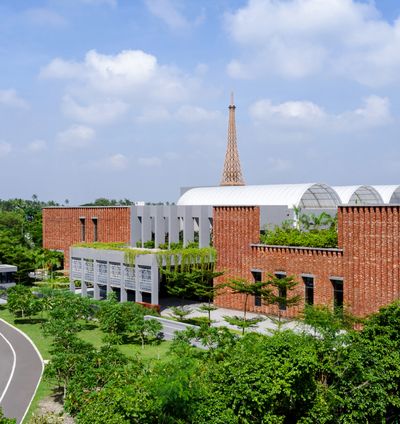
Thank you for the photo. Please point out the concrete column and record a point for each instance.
(124, 294)
(83, 288)
(188, 225)
(173, 225)
(71, 278)
(136, 226)
(204, 227)
(96, 289)
(146, 224)
(138, 293)
(109, 289)
(155, 279)
(159, 226)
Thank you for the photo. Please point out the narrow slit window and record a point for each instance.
(83, 229)
(337, 293)
(282, 292)
(257, 275)
(308, 290)
(95, 230)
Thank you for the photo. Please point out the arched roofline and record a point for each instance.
(311, 195)
(390, 193)
(358, 194)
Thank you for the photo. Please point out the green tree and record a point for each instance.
(4, 420)
(65, 360)
(66, 316)
(180, 312)
(145, 330)
(261, 380)
(21, 301)
(114, 319)
(278, 291)
(246, 289)
(326, 322)
(103, 367)
(203, 288)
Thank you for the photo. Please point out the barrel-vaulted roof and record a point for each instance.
(389, 193)
(310, 195)
(358, 195)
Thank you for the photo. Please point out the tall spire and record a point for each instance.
(232, 173)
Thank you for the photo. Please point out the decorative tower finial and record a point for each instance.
(232, 173)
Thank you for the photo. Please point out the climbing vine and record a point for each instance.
(180, 259)
(185, 259)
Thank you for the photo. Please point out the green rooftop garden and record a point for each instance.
(307, 230)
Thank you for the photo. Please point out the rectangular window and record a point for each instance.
(337, 285)
(95, 233)
(83, 229)
(257, 275)
(282, 291)
(308, 290)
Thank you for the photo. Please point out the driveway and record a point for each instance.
(21, 368)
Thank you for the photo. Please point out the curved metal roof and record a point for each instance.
(358, 195)
(299, 195)
(389, 193)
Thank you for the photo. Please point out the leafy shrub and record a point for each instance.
(324, 238)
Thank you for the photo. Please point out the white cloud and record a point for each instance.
(46, 17)
(201, 69)
(10, 98)
(131, 74)
(37, 146)
(374, 112)
(118, 161)
(5, 148)
(151, 161)
(112, 163)
(295, 111)
(168, 12)
(75, 137)
(189, 113)
(61, 69)
(153, 114)
(96, 113)
(299, 38)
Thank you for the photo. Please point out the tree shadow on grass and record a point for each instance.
(29, 320)
(89, 326)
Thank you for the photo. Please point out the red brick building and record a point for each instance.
(363, 273)
(63, 227)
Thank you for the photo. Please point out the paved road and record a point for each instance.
(20, 372)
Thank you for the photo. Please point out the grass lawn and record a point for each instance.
(91, 334)
(153, 351)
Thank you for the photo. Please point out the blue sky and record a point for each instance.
(128, 98)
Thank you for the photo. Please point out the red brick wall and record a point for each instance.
(371, 243)
(321, 263)
(62, 226)
(234, 228)
(368, 258)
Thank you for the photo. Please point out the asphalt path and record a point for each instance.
(21, 368)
